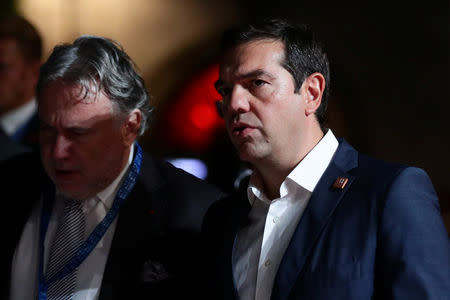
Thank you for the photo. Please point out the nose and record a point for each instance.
(61, 147)
(239, 100)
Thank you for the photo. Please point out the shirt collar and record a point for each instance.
(306, 174)
(12, 120)
(107, 195)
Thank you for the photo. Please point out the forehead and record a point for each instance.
(9, 48)
(72, 101)
(250, 56)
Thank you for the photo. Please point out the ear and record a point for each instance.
(130, 127)
(313, 88)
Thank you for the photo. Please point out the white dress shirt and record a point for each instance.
(260, 246)
(13, 120)
(25, 265)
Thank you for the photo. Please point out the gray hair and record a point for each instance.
(98, 61)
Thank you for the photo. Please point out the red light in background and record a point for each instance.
(191, 120)
(203, 116)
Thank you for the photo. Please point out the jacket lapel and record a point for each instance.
(238, 220)
(324, 200)
(141, 217)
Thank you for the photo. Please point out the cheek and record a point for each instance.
(228, 122)
(276, 119)
(13, 78)
(99, 148)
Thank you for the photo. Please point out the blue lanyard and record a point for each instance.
(94, 237)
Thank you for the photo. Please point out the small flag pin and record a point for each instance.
(340, 182)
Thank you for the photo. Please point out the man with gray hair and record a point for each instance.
(109, 222)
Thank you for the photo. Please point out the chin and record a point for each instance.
(248, 156)
(72, 193)
(250, 153)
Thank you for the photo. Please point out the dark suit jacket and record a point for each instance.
(28, 134)
(380, 237)
(9, 148)
(27, 140)
(154, 252)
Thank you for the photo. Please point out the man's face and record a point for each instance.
(17, 76)
(82, 144)
(263, 115)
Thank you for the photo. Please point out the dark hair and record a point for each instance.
(303, 54)
(102, 62)
(26, 36)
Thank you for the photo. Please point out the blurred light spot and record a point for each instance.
(241, 175)
(193, 166)
(203, 116)
(191, 121)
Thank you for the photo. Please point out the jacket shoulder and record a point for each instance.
(186, 197)
(184, 180)
(376, 172)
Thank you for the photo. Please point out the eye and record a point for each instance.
(224, 91)
(79, 131)
(44, 127)
(258, 82)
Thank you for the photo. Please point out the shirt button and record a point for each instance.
(276, 219)
(267, 263)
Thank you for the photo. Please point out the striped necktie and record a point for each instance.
(68, 239)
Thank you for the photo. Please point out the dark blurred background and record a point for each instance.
(389, 61)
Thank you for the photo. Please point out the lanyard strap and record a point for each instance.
(94, 237)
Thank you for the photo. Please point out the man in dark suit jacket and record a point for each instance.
(139, 218)
(316, 220)
(20, 59)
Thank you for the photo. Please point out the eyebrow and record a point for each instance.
(43, 123)
(70, 128)
(252, 74)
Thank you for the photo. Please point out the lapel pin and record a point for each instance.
(340, 183)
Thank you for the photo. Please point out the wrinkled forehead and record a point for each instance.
(252, 55)
(9, 48)
(60, 96)
(61, 106)
(69, 93)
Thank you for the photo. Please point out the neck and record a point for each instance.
(274, 171)
(271, 181)
(125, 159)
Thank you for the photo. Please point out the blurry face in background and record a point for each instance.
(18, 76)
(82, 144)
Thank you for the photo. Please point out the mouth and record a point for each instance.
(65, 174)
(241, 129)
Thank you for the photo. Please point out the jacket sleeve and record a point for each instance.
(413, 253)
